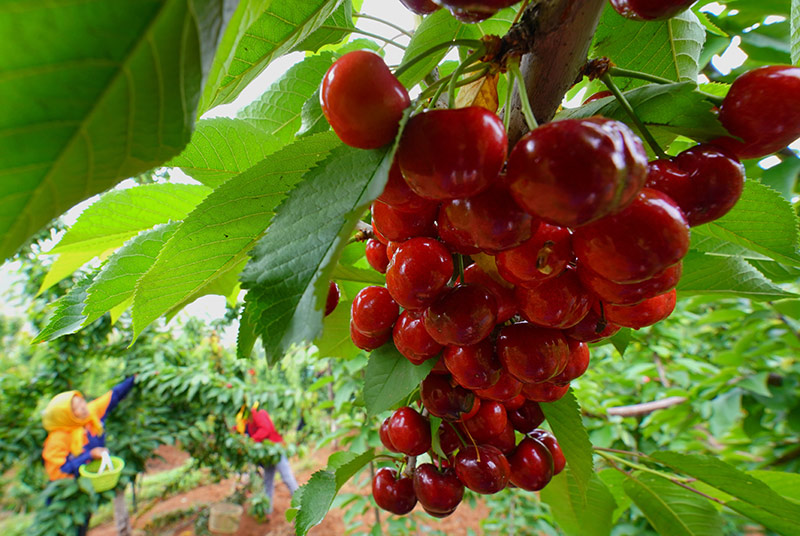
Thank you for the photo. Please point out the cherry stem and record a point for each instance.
(460, 437)
(627, 73)
(386, 22)
(363, 32)
(606, 78)
(460, 267)
(474, 43)
(509, 94)
(442, 83)
(527, 111)
(471, 59)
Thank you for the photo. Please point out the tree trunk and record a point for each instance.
(122, 519)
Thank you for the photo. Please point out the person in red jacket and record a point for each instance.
(260, 428)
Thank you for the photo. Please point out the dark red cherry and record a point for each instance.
(395, 495)
(374, 311)
(333, 298)
(505, 441)
(543, 257)
(576, 171)
(476, 406)
(763, 109)
(420, 7)
(644, 314)
(502, 291)
(399, 225)
(636, 244)
(576, 365)
(549, 441)
(439, 367)
(448, 438)
(531, 465)
(506, 388)
(418, 272)
(544, 391)
(384, 435)
(409, 432)
(437, 491)
(592, 328)
(489, 421)
(412, 339)
(527, 417)
(362, 100)
(471, 11)
(597, 96)
(483, 469)
(399, 196)
(530, 353)
(452, 154)
(491, 220)
(650, 9)
(444, 400)
(462, 316)
(514, 403)
(473, 367)
(630, 293)
(376, 255)
(456, 240)
(558, 303)
(369, 342)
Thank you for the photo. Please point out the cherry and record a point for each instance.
(439, 367)
(636, 244)
(558, 303)
(399, 225)
(418, 271)
(527, 417)
(471, 11)
(505, 441)
(592, 328)
(439, 492)
(549, 441)
(544, 391)
(630, 293)
(503, 293)
(704, 181)
(443, 400)
(476, 405)
(384, 435)
(333, 298)
(644, 314)
(374, 311)
(448, 438)
(597, 96)
(457, 240)
(488, 422)
(506, 388)
(576, 365)
(420, 7)
(491, 220)
(543, 257)
(483, 469)
(650, 9)
(531, 465)
(391, 247)
(412, 340)
(368, 342)
(473, 367)
(395, 495)
(409, 432)
(530, 353)
(399, 196)
(514, 403)
(362, 100)
(451, 154)
(376, 255)
(462, 316)
(573, 172)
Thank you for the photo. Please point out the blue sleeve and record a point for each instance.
(74, 462)
(120, 391)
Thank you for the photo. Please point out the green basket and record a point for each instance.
(107, 479)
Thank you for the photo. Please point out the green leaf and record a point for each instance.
(68, 316)
(785, 484)
(783, 177)
(217, 235)
(335, 340)
(273, 29)
(358, 275)
(574, 515)
(247, 336)
(312, 117)
(621, 340)
(390, 378)
(342, 18)
(104, 93)
(614, 481)
(762, 221)
(672, 510)
(316, 499)
(669, 49)
(114, 218)
(727, 276)
(346, 464)
(564, 418)
(795, 38)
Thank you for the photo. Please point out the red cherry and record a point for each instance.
(376, 255)
(452, 154)
(630, 293)
(489, 421)
(573, 172)
(527, 417)
(439, 492)
(418, 272)
(439, 367)
(644, 314)
(362, 100)
(597, 96)
(636, 244)
(650, 9)
(483, 469)
(399, 196)
(333, 298)
(491, 220)
(471, 11)
(443, 400)
(476, 405)
(514, 403)
(544, 391)
(763, 109)
(369, 342)
(543, 257)
(531, 465)
(457, 240)
(448, 438)
(391, 248)
(530, 353)
(395, 495)
(502, 291)
(506, 388)
(473, 367)
(462, 316)
(420, 7)
(576, 365)
(412, 339)
(558, 303)
(374, 311)
(505, 441)
(592, 328)
(549, 441)
(399, 225)
(384, 435)
(409, 432)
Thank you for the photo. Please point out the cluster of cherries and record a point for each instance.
(502, 267)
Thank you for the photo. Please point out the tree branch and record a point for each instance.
(647, 407)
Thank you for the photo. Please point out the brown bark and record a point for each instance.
(562, 31)
(647, 407)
